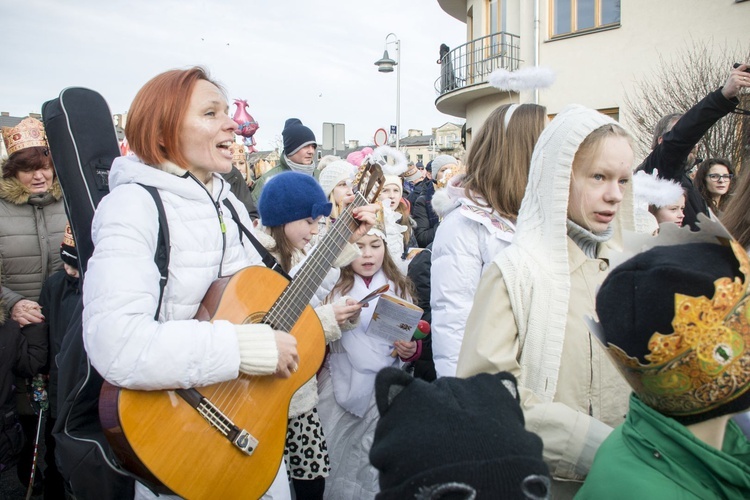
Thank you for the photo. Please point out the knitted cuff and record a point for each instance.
(258, 352)
(416, 354)
(347, 255)
(327, 318)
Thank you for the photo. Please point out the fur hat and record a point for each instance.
(291, 196)
(296, 136)
(334, 173)
(678, 331)
(68, 252)
(440, 162)
(468, 435)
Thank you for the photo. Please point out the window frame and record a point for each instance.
(574, 31)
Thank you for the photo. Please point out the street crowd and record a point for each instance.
(586, 308)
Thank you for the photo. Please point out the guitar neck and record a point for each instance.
(289, 306)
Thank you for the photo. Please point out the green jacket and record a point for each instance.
(261, 181)
(653, 456)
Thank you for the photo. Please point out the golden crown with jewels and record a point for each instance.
(705, 362)
(27, 134)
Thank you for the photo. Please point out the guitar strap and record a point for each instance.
(161, 256)
(268, 259)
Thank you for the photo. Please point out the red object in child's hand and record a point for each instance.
(422, 330)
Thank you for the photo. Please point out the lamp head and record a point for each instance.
(385, 64)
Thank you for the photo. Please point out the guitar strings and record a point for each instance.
(285, 313)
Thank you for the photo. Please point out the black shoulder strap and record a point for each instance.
(268, 259)
(161, 256)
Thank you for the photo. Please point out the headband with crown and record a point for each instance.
(27, 134)
(702, 369)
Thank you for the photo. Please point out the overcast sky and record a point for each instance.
(310, 59)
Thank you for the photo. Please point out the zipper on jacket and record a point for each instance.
(220, 214)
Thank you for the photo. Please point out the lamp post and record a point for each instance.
(385, 65)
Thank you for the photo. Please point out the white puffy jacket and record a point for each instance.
(121, 287)
(467, 239)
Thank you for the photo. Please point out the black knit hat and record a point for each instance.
(454, 438)
(68, 251)
(296, 136)
(673, 317)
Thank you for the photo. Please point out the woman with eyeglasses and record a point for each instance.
(714, 182)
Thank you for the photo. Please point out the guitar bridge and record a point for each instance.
(245, 442)
(241, 438)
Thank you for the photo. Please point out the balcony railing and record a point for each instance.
(472, 62)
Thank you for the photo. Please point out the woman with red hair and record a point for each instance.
(180, 132)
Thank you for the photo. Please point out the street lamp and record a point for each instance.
(385, 65)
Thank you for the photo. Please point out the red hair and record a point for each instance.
(157, 113)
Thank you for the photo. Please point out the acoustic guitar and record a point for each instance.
(227, 440)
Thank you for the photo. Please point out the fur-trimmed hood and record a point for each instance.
(446, 199)
(12, 191)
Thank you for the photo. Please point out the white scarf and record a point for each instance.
(357, 357)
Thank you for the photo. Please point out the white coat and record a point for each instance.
(467, 240)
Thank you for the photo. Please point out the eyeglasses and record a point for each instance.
(723, 177)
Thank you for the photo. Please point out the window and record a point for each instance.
(570, 16)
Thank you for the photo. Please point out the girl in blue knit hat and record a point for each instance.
(291, 206)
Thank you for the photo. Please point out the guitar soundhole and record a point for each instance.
(255, 317)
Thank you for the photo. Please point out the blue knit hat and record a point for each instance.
(296, 136)
(291, 196)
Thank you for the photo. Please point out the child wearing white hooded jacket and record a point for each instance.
(528, 314)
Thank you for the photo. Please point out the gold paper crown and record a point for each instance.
(449, 174)
(68, 237)
(705, 363)
(27, 134)
(238, 151)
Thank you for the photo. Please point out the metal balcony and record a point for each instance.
(472, 62)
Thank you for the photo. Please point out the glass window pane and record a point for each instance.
(585, 14)
(562, 16)
(610, 11)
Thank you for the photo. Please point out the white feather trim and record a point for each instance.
(443, 203)
(651, 190)
(391, 160)
(529, 78)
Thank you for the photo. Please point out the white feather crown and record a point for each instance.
(529, 78)
(651, 190)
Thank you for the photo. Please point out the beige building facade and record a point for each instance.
(599, 49)
(444, 140)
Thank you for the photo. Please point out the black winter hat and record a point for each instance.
(296, 136)
(68, 251)
(454, 439)
(637, 301)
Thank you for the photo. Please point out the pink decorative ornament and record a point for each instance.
(248, 125)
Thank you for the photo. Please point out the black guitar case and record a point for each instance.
(83, 144)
